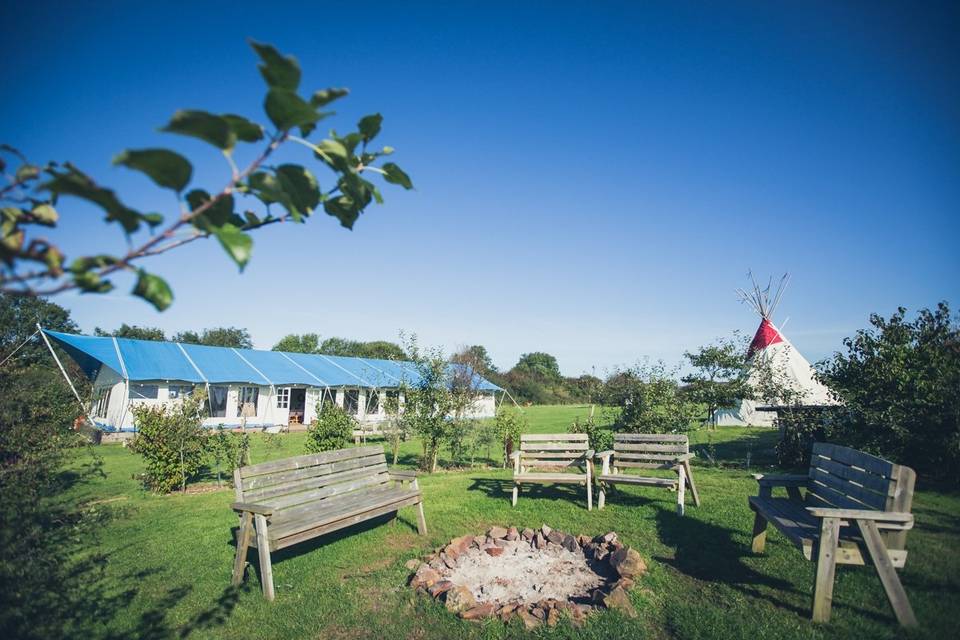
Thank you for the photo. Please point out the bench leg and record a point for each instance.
(516, 491)
(759, 533)
(243, 544)
(602, 496)
(691, 483)
(887, 573)
(263, 547)
(826, 569)
(421, 520)
(681, 488)
(589, 494)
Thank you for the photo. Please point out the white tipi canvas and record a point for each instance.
(771, 351)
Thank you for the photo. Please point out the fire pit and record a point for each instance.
(536, 575)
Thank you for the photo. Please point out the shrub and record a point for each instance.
(229, 451)
(172, 441)
(600, 439)
(332, 429)
(509, 424)
(651, 401)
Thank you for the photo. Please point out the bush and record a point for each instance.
(229, 451)
(172, 441)
(651, 401)
(508, 426)
(800, 427)
(600, 439)
(332, 429)
(898, 383)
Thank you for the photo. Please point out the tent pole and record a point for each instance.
(86, 414)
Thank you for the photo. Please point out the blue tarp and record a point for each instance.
(148, 360)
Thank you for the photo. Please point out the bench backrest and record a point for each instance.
(295, 482)
(649, 450)
(552, 449)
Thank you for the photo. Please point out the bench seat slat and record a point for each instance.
(339, 509)
(572, 478)
(553, 437)
(349, 483)
(321, 473)
(651, 437)
(623, 478)
(650, 448)
(554, 446)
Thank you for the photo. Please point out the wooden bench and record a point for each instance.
(288, 501)
(856, 511)
(648, 451)
(555, 451)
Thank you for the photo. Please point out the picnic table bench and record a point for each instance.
(557, 452)
(284, 502)
(648, 451)
(856, 511)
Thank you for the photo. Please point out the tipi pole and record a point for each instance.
(56, 358)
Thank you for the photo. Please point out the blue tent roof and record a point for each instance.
(141, 360)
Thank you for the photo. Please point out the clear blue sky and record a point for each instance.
(593, 181)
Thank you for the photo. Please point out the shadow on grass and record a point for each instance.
(502, 489)
(759, 444)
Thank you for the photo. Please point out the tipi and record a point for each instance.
(771, 354)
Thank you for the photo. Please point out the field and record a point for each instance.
(168, 558)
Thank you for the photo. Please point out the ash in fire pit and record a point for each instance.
(536, 575)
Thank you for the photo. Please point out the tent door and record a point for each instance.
(298, 404)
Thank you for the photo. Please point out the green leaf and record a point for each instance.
(386, 151)
(287, 110)
(153, 219)
(167, 168)
(243, 129)
(395, 175)
(27, 172)
(86, 263)
(369, 126)
(236, 243)
(154, 290)
(217, 215)
(344, 209)
(45, 214)
(280, 72)
(90, 282)
(74, 182)
(205, 126)
(326, 96)
(300, 185)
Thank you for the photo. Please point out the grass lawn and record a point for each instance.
(169, 558)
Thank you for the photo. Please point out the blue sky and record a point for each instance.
(593, 180)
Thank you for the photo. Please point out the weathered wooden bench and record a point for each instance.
(555, 451)
(856, 511)
(648, 451)
(288, 501)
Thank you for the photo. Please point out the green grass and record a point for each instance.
(169, 559)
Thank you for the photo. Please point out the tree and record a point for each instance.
(31, 265)
(294, 343)
(540, 364)
(720, 379)
(172, 441)
(898, 383)
(227, 337)
(18, 321)
(382, 350)
(477, 358)
(653, 402)
(186, 337)
(133, 331)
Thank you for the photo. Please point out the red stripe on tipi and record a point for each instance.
(766, 335)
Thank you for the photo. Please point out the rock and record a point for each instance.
(494, 551)
(502, 542)
(553, 617)
(600, 553)
(437, 564)
(538, 612)
(440, 588)
(452, 552)
(507, 609)
(447, 560)
(413, 564)
(628, 562)
(460, 599)
(619, 600)
(608, 537)
(424, 577)
(556, 537)
(497, 532)
(484, 610)
(570, 543)
(626, 583)
(527, 534)
(529, 621)
(478, 541)
(540, 541)
(545, 530)
(513, 534)
(583, 540)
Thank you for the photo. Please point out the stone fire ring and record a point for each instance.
(536, 575)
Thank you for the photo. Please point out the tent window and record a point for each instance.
(175, 391)
(247, 402)
(218, 402)
(283, 398)
(328, 398)
(101, 402)
(351, 401)
(144, 391)
(373, 403)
